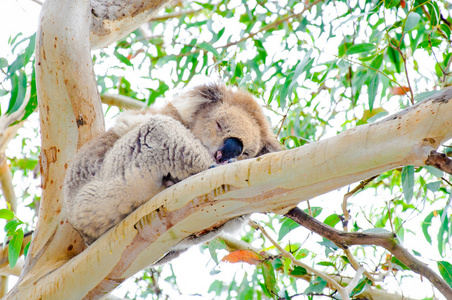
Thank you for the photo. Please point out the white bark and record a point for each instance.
(275, 182)
(56, 267)
(112, 20)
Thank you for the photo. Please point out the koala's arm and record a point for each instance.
(87, 163)
(133, 171)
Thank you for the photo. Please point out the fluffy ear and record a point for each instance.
(271, 144)
(187, 104)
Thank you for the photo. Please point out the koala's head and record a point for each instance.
(229, 123)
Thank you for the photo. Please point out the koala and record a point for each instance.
(149, 150)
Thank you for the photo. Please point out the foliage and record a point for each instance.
(319, 67)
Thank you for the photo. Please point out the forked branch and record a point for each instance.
(385, 240)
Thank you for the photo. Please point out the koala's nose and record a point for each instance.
(231, 148)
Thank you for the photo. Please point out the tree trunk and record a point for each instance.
(59, 267)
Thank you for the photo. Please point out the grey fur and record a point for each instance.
(147, 151)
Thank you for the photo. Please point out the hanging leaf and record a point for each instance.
(408, 183)
(209, 48)
(373, 89)
(411, 21)
(286, 226)
(445, 269)
(6, 214)
(269, 278)
(359, 48)
(14, 247)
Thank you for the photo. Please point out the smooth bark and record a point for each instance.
(58, 265)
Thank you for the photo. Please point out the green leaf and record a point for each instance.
(424, 95)
(33, 100)
(10, 227)
(3, 62)
(209, 48)
(391, 3)
(373, 89)
(360, 287)
(398, 264)
(19, 88)
(332, 220)
(434, 12)
(214, 245)
(376, 63)
(445, 269)
(359, 48)
(217, 287)
(411, 21)
(269, 278)
(301, 253)
(27, 246)
(408, 183)
(14, 247)
(316, 286)
(429, 44)
(434, 186)
(298, 271)
(291, 80)
(426, 224)
(6, 214)
(123, 59)
(286, 226)
(434, 171)
(315, 210)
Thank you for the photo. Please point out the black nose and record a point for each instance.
(231, 148)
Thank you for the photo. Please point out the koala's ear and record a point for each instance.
(187, 104)
(271, 144)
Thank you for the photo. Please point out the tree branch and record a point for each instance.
(111, 21)
(274, 182)
(343, 291)
(121, 101)
(440, 161)
(385, 240)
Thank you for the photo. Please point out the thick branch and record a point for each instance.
(275, 182)
(385, 240)
(112, 20)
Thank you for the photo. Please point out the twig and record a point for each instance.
(122, 101)
(360, 186)
(271, 25)
(343, 291)
(406, 71)
(385, 240)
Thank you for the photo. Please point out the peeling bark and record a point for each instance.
(113, 20)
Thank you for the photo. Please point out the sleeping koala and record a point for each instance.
(149, 150)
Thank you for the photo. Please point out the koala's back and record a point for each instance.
(113, 174)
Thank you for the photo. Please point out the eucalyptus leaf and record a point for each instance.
(359, 48)
(408, 183)
(411, 21)
(14, 248)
